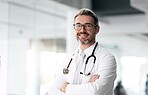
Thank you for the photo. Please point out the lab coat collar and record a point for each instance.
(88, 51)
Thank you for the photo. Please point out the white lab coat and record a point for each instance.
(105, 66)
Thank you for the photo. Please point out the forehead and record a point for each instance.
(84, 19)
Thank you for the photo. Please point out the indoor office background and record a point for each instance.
(35, 35)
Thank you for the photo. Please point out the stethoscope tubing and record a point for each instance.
(66, 71)
(92, 55)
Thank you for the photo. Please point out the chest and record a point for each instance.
(89, 66)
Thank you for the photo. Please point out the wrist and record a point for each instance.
(64, 86)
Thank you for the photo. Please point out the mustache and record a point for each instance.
(83, 33)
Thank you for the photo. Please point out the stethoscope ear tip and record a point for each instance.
(88, 74)
(85, 74)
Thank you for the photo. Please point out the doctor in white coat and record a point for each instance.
(90, 69)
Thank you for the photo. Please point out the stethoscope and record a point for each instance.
(66, 70)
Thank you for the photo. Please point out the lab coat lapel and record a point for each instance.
(72, 68)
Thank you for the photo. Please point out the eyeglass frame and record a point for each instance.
(84, 25)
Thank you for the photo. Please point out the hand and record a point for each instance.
(93, 78)
(63, 87)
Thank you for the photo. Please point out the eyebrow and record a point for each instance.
(84, 23)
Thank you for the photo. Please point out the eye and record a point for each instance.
(88, 25)
(78, 25)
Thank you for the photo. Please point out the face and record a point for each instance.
(85, 29)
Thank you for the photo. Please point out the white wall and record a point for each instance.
(3, 47)
(17, 66)
(3, 66)
(20, 22)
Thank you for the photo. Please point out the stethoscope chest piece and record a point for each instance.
(65, 71)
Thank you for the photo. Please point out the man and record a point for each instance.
(92, 74)
(119, 89)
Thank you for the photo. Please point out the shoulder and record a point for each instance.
(105, 57)
(103, 52)
(68, 56)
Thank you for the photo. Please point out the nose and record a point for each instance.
(83, 28)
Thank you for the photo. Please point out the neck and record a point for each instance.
(85, 46)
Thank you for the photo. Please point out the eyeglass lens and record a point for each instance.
(87, 26)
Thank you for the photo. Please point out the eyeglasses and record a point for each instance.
(87, 26)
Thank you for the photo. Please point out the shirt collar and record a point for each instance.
(88, 51)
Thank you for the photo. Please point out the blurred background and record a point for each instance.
(35, 35)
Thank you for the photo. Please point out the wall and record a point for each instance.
(21, 22)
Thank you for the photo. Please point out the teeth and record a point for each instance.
(84, 35)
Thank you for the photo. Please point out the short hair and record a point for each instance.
(88, 12)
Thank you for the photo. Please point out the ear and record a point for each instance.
(97, 29)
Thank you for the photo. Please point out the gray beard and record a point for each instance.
(84, 42)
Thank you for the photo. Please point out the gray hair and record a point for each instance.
(88, 12)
